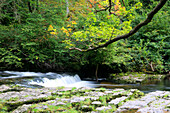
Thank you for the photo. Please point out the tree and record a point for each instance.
(118, 37)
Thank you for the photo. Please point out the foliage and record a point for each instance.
(36, 34)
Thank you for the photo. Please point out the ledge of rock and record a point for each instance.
(21, 100)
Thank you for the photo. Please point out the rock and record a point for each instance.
(157, 93)
(96, 103)
(118, 100)
(118, 89)
(136, 104)
(103, 108)
(60, 103)
(65, 100)
(133, 90)
(48, 100)
(129, 94)
(162, 103)
(86, 108)
(148, 98)
(108, 92)
(98, 94)
(150, 110)
(77, 99)
(4, 88)
(22, 109)
(65, 89)
(45, 107)
(94, 98)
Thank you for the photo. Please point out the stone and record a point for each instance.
(103, 108)
(65, 89)
(133, 104)
(22, 109)
(118, 100)
(96, 103)
(65, 100)
(94, 98)
(4, 88)
(118, 89)
(160, 103)
(108, 92)
(78, 99)
(86, 108)
(60, 103)
(150, 110)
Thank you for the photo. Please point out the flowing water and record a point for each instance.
(32, 79)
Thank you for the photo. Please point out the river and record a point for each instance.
(50, 79)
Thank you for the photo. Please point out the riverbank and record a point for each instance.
(73, 100)
(136, 78)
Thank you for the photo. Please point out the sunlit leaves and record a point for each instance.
(52, 30)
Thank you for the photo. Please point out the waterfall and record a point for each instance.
(47, 79)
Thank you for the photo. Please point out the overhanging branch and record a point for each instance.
(133, 31)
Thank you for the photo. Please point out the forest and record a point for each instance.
(61, 36)
(84, 56)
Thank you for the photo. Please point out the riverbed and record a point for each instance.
(22, 92)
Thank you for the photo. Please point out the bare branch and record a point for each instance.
(133, 31)
(106, 8)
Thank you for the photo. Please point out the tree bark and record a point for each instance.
(96, 72)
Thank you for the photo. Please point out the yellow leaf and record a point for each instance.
(50, 28)
(53, 33)
(69, 30)
(67, 34)
(68, 25)
(73, 22)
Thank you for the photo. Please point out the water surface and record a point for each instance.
(32, 79)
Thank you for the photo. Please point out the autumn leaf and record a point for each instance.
(50, 28)
(100, 6)
(74, 22)
(69, 30)
(116, 7)
(90, 6)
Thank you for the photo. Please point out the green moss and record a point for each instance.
(165, 96)
(13, 99)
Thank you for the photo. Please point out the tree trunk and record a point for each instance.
(67, 8)
(96, 72)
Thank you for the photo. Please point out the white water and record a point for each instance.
(48, 79)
